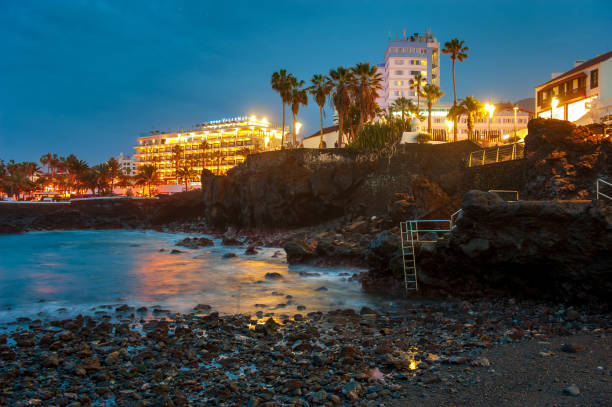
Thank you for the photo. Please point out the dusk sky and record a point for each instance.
(88, 77)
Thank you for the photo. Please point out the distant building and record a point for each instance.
(217, 146)
(330, 138)
(404, 59)
(582, 94)
(127, 164)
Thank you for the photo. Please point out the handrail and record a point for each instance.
(506, 152)
(453, 215)
(597, 192)
(506, 191)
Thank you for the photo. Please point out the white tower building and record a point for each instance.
(404, 59)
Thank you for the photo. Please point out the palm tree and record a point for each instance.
(203, 146)
(147, 175)
(299, 96)
(320, 90)
(186, 174)
(403, 105)
(176, 156)
(416, 85)
(342, 81)
(367, 84)
(473, 109)
(454, 115)
(457, 51)
(45, 159)
(432, 93)
(114, 169)
(218, 155)
(281, 82)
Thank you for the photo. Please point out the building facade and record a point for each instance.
(217, 146)
(127, 163)
(505, 123)
(404, 59)
(582, 94)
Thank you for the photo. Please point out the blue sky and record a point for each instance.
(87, 77)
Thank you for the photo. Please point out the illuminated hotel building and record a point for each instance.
(404, 59)
(217, 144)
(582, 94)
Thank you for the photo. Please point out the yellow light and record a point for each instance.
(253, 118)
(413, 365)
(554, 103)
(298, 126)
(450, 124)
(490, 108)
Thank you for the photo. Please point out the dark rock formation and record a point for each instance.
(564, 160)
(113, 213)
(323, 252)
(557, 250)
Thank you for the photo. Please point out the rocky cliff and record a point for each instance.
(558, 250)
(114, 213)
(304, 187)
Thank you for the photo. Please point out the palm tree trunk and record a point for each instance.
(321, 118)
(293, 138)
(429, 106)
(454, 102)
(418, 99)
(340, 129)
(282, 130)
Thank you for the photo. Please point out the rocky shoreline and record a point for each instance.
(428, 354)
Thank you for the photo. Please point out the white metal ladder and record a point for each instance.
(407, 231)
(598, 188)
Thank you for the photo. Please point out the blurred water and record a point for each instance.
(42, 272)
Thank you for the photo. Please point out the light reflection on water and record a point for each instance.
(43, 271)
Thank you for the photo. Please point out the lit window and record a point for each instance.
(594, 78)
(399, 83)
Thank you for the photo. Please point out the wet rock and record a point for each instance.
(229, 255)
(571, 348)
(273, 276)
(195, 242)
(251, 250)
(321, 289)
(572, 390)
(231, 241)
(176, 251)
(202, 308)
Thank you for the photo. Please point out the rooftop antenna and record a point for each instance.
(389, 35)
(404, 33)
(396, 37)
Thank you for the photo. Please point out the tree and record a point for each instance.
(176, 156)
(203, 146)
(320, 90)
(186, 174)
(454, 115)
(432, 93)
(114, 169)
(218, 156)
(416, 84)
(404, 106)
(77, 168)
(147, 175)
(367, 83)
(299, 96)
(457, 52)
(473, 109)
(342, 81)
(281, 82)
(45, 159)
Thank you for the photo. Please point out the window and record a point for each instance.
(399, 62)
(399, 83)
(396, 93)
(594, 78)
(399, 72)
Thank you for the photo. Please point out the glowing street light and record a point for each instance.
(490, 108)
(553, 105)
(516, 108)
(298, 126)
(450, 125)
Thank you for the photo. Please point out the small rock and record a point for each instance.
(176, 251)
(571, 348)
(572, 390)
(273, 276)
(321, 289)
(229, 255)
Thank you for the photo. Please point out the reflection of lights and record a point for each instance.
(506, 136)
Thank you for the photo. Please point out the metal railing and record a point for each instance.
(506, 152)
(506, 191)
(598, 192)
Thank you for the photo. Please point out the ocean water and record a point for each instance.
(58, 274)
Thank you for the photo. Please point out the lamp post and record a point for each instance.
(450, 125)
(490, 108)
(515, 110)
(553, 105)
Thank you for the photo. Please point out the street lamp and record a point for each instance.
(516, 108)
(553, 105)
(449, 124)
(490, 108)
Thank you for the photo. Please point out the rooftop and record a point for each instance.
(579, 68)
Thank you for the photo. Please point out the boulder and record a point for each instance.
(195, 242)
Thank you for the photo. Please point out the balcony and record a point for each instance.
(563, 97)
